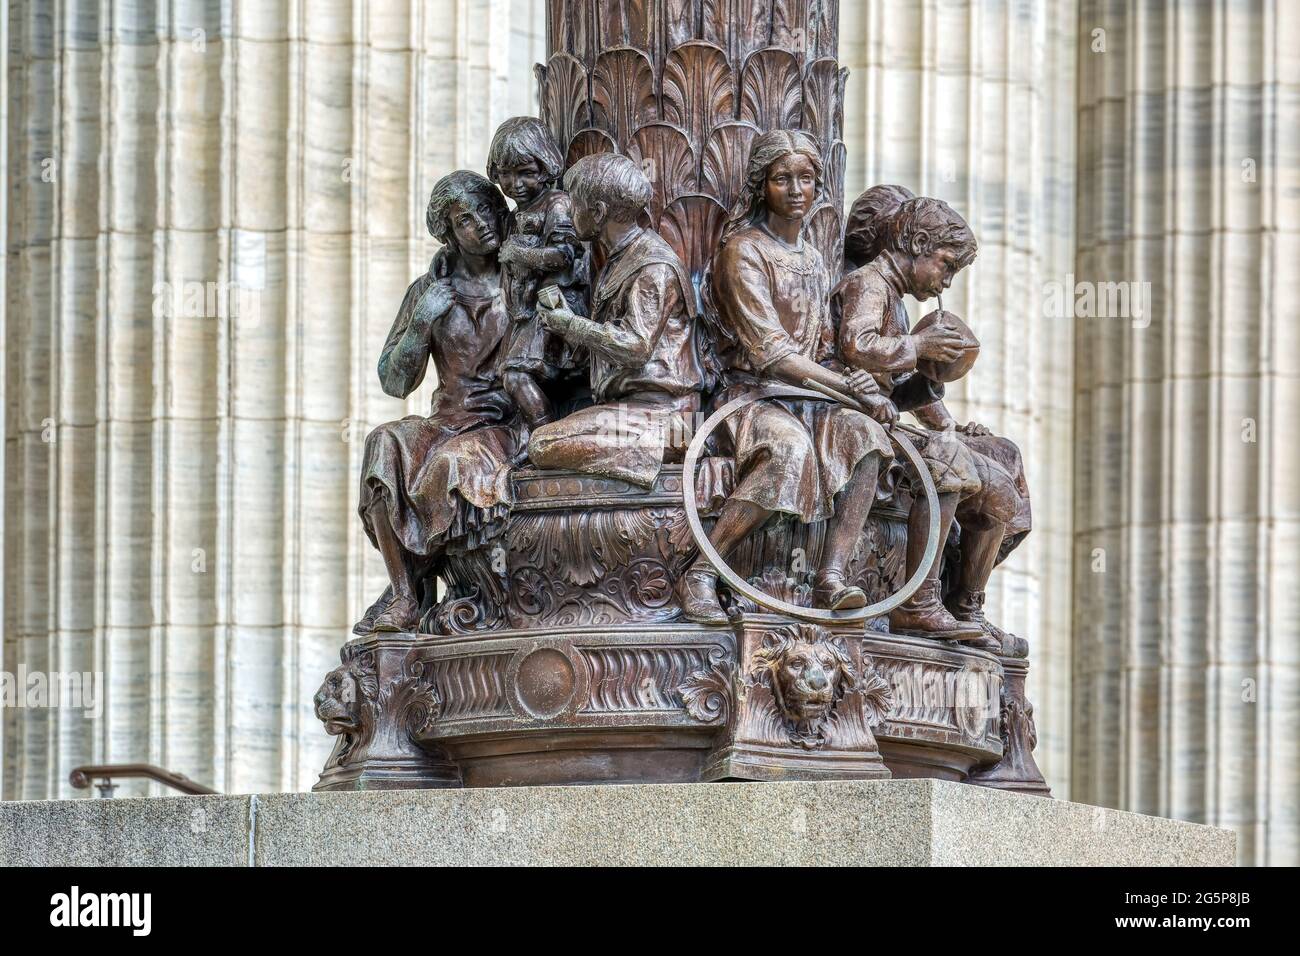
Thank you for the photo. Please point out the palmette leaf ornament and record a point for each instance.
(627, 23)
(569, 22)
(837, 114)
(790, 26)
(715, 22)
(722, 171)
(824, 28)
(750, 25)
(692, 225)
(825, 230)
(562, 86)
(678, 21)
(623, 93)
(588, 142)
(835, 160)
(699, 89)
(821, 27)
(665, 156)
(771, 96)
(819, 88)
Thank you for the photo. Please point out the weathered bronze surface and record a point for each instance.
(677, 250)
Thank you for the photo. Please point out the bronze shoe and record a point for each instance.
(367, 623)
(968, 606)
(697, 592)
(924, 615)
(830, 590)
(402, 615)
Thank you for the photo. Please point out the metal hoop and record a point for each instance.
(761, 598)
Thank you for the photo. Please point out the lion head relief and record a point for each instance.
(808, 671)
(345, 701)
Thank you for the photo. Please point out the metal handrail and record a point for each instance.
(82, 777)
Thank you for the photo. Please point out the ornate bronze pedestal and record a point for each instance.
(597, 680)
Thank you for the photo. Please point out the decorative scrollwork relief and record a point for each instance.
(706, 694)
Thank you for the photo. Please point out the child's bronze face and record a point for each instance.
(932, 272)
(475, 228)
(791, 186)
(522, 183)
(586, 220)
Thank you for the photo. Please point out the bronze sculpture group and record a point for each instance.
(772, 316)
(626, 595)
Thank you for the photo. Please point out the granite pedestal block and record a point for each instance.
(871, 822)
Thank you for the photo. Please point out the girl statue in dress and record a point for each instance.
(810, 459)
(429, 480)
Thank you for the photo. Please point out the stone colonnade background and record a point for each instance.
(212, 209)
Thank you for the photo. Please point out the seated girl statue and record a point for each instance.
(810, 459)
(427, 480)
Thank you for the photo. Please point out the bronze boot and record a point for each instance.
(402, 615)
(968, 606)
(924, 614)
(830, 590)
(367, 623)
(697, 592)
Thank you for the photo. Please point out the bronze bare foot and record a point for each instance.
(697, 591)
(830, 590)
(402, 614)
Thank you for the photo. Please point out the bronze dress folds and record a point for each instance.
(873, 333)
(793, 455)
(447, 475)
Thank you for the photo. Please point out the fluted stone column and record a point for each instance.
(6, 426)
(973, 102)
(1187, 516)
(212, 212)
